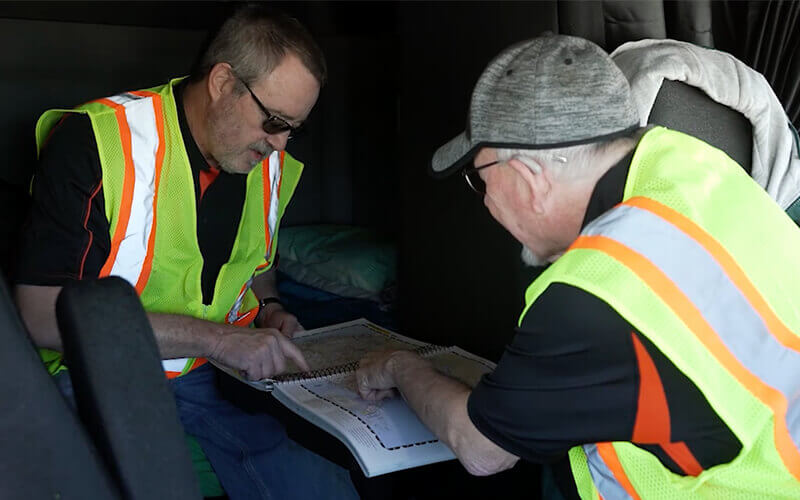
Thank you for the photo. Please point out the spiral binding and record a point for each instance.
(346, 367)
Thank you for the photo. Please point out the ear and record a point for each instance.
(220, 80)
(537, 183)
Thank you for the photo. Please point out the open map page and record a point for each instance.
(383, 435)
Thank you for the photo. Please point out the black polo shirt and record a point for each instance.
(67, 234)
(577, 372)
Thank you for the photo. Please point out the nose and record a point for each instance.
(278, 141)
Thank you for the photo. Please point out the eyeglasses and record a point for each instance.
(474, 180)
(273, 124)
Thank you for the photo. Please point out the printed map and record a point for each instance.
(348, 344)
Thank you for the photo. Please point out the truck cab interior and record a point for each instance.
(369, 232)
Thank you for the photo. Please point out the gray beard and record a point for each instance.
(531, 259)
(229, 167)
(266, 151)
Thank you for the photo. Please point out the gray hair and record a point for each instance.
(574, 161)
(255, 39)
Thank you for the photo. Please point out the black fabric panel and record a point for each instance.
(583, 19)
(461, 279)
(66, 236)
(14, 205)
(631, 20)
(688, 109)
(772, 45)
(766, 37)
(120, 389)
(690, 21)
(218, 219)
(56, 65)
(45, 452)
(612, 23)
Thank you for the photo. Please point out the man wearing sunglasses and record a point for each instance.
(658, 356)
(180, 189)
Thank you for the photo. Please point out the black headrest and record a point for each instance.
(122, 394)
(45, 451)
(685, 108)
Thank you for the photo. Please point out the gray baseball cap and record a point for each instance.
(548, 92)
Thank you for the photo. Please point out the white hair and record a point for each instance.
(574, 161)
(567, 164)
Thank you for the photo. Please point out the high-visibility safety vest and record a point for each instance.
(150, 204)
(702, 262)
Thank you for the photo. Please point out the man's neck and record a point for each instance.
(195, 103)
(575, 194)
(616, 152)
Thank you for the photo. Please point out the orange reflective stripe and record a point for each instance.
(267, 192)
(652, 424)
(683, 457)
(267, 180)
(195, 364)
(246, 318)
(198, 362)
(609, 456)
(775, 326)
(127, 186)
(233, 313)
(676, 300)
(159, 114)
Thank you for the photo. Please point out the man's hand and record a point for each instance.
(257, 353)
(275, 316)
(375, 377)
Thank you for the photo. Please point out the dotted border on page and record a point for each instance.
(411, 445)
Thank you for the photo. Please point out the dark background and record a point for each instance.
(401, 74)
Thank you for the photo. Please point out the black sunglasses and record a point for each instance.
(273, 124)
(473, 179)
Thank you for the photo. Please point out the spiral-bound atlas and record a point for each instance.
(384, 436)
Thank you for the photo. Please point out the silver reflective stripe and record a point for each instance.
(233, 313)
(274, 183)
(140, 115)
(175, 365)
(124, 98)
(274, 179)
(717, 299)
(604, 480)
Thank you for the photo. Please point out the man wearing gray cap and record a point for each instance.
(659, 355)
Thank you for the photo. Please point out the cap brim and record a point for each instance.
(452, 156)
(455, 154)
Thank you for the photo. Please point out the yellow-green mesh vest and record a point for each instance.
(172, 254)
(634, 258)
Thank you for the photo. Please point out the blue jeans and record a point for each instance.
(250, 453)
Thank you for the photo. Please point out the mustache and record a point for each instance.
(262, 147)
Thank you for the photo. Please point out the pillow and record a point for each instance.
(345, 260)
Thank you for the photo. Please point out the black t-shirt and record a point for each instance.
(577, 372)
(67, 235)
